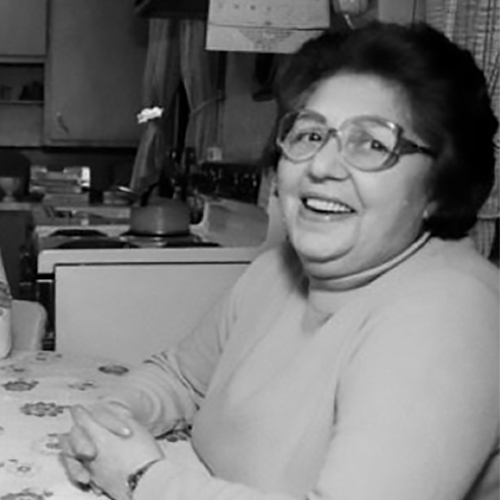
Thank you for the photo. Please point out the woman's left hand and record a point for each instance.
(117, 457)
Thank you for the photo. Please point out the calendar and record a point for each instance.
(279, 26)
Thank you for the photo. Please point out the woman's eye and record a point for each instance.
(308, 136)
(378, 146)
(363, 141)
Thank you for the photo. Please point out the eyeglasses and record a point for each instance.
(365, 142)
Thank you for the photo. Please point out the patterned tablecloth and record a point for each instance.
(36, 389)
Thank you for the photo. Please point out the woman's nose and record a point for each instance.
(328, 162)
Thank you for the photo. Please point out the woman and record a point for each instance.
(360, 359)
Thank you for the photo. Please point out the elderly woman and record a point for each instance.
(359, 360)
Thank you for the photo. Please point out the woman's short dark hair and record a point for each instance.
(448, 98)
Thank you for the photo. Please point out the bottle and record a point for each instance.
(168, 173)
(5, 320)
(189, 167)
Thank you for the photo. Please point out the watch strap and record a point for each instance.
(134, 478)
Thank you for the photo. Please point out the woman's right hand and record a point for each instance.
(78, 448)
(112, 416)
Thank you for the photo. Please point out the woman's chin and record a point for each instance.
(313, 254)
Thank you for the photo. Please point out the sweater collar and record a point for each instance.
(366, 276)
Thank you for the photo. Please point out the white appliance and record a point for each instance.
(126, 303)
(129, 310)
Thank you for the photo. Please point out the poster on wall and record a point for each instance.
(275, 26)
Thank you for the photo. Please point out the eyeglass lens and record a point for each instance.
(364, 142)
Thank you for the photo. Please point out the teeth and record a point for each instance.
(326, 206)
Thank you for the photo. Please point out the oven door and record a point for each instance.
(45, 295)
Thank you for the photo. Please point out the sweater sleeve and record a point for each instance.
(417, 408)
(169, 480)
(168, 388)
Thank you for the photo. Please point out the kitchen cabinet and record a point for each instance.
(129, 311)
(71, 73)
(22, 29)
(95, 62)
(22, 56)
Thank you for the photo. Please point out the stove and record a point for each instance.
(91, 238)
(166, 241)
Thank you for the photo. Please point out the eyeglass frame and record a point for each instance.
(404, 146)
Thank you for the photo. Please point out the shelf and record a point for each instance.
(21, 59)
(21, 83)
(20, 102)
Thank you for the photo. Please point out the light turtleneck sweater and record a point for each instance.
(394, 395)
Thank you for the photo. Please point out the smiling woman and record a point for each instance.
(359, 358)
(354, 203)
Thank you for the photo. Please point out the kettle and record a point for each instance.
(166, 217)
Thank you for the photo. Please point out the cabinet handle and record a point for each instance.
(61, 122)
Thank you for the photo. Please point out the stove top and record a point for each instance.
(178, 241)
(83, 238)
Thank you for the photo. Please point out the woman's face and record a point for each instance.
(342, 220)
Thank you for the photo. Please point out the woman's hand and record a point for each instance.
(112, 416)
(110, 459)
(78, 447)
(5, 296)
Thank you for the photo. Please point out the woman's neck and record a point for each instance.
(329, 295)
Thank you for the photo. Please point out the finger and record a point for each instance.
(114, 418)
(86, 423)
(82, 445)
(76, 444)
(75, 469)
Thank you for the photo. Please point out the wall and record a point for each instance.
(246, 123)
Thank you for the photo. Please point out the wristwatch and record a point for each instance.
(134, 478)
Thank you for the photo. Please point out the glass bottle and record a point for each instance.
(168, 174)
(5, 325)
(189, 165)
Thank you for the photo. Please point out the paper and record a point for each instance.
(278, 26)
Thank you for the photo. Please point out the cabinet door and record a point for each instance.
(22, 28)
(15, 231)
(128, 312)
(95, 65)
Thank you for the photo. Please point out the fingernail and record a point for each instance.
(95, 489)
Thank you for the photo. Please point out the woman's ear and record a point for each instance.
(429, 210)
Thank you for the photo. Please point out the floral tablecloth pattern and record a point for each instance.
(36, 390)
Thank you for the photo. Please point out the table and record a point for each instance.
(36, 390)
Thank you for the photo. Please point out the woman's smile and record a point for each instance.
(327, 208)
